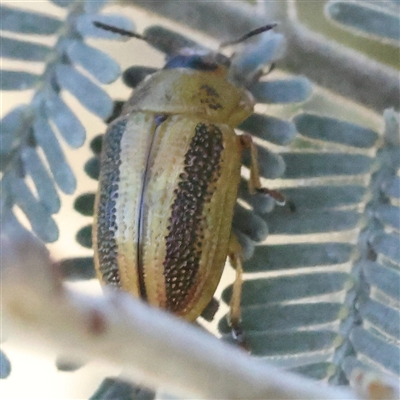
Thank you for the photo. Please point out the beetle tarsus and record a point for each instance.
(238, 337)
(235, 256)
(279, 198)
(254, 184)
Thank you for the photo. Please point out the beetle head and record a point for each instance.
(200, 60)
(192, 57)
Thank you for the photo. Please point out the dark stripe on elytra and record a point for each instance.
(107, 225)
(185, 232)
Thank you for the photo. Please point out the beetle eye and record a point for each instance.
(220, 59)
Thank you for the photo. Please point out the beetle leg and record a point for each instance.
(235, 257)
(246, 142)
(255, 186)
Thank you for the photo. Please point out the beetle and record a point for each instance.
(170, 170)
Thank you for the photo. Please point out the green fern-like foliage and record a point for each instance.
(321, 297)
(324, 308)
(368, 18)
(31, 129)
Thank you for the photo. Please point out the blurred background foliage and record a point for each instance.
(321, 295)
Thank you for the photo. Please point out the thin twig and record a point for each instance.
(155, 348)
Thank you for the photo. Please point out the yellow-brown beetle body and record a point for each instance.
(170, 170)
(168, 185)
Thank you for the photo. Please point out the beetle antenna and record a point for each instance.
(249, 35)
(115, 29)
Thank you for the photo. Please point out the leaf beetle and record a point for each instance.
(170, 170)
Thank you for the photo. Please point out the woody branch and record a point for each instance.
(154, 348)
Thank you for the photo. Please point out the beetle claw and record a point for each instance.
(239, 337)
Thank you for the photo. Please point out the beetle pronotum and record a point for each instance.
(170, 170)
